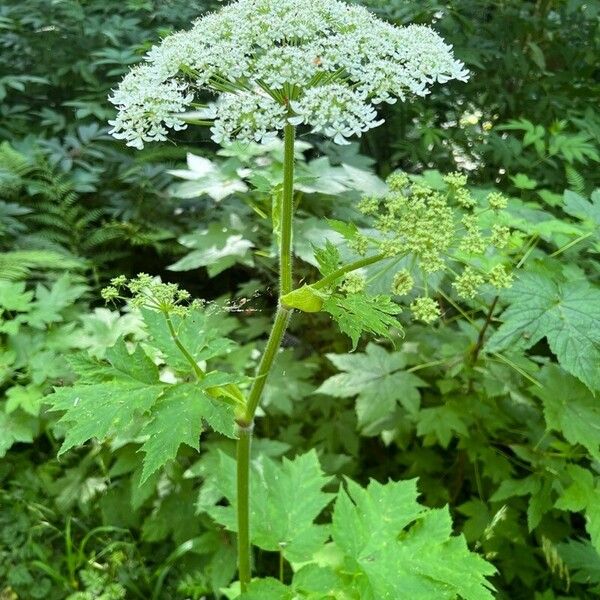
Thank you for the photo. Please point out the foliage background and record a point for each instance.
(497, 423)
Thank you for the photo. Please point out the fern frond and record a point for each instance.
(575, 179)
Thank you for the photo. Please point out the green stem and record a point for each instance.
(197, 370)
(282, 317)
(353, 266)
(287, 212)
(243, 504)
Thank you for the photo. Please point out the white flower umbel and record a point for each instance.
(321, 63)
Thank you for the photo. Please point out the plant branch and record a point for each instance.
(197, 370)
(353, 266)
(480, 338)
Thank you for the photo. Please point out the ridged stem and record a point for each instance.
(282, 317)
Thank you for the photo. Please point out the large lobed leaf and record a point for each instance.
(567, 313)
(125, 391)
(379, 380)
(285, 500)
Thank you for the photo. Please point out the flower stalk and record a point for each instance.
(280, 323)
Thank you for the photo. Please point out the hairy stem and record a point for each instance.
(287, 212)
(282, 317)
(243, 508)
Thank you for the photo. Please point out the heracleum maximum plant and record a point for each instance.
(273, 66)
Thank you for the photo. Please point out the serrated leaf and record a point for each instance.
(404, 549)
(51, 302)
(177, 418)
(583, 495)
(379, 381)
(570, 409)
(358, 313)
(14, 428)
(14, 297)
(267, 589)
(566, 313)
(286, 499)
(194, 331)
(328, 258)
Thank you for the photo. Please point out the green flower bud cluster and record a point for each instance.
(146, 291)
(403, 283)
(354, 283)
(430, 225)
(497, 201)
(425, 309)
(499, 277)
(500, 236)
(468, 283)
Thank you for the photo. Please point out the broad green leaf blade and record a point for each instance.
(122, 390)
(378, 380)
(570, 408)
(566, 313)
(178, 416)
(16, 427)
(358, 313)
(101, 410)
(176, 420)
(404, 549)
(136, 366)
(583, 495)
(193, 331)
(286, 499)
(267, 589)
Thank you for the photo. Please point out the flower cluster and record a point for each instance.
(436, 230)
(148, 292)
(321, 63)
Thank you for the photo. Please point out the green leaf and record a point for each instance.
(13, 296)
(267, 589)
(328, 258)
(379, 381)
(112, 396)
(358, 313)
(26, 397)
(522, 182)
(570, 409)
(217, 248)
(177, 419)
(441, 423)
(286, 499)
(403, 549)
(194, 331)
(583, 495)
(16, 427)
(50, 303)
(567, 313)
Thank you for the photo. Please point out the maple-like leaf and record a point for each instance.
(570, 408)
(114, 395)
(567, 313)
(358, 313)
(286, 499)
(379, 380)
(403, 549)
